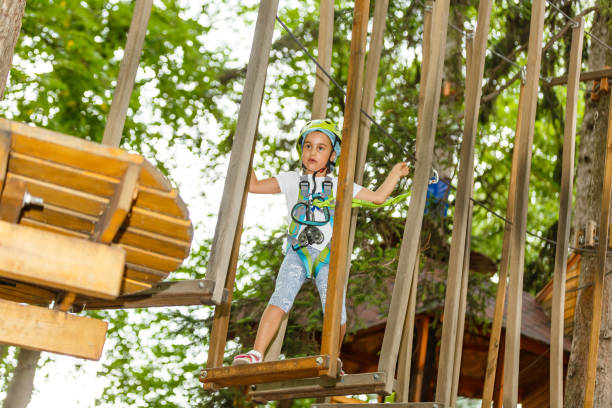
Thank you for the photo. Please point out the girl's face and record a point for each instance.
(316, 152)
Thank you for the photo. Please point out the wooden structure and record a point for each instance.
(84, 225)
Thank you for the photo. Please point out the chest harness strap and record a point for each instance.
(302, 215)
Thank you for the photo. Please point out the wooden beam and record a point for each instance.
(475, 72)
(324, 57)
(11, 201)
(600, 272)
(242, 148)
(339, 247)
(257, 373)
(584, 76)
(45, 258)
(498, 389)
(465, 276)
(221, 318)
(349, 384)
(412, 230)
(37, 328)
(161, 294)
(405, 355)
(421, 347)
(500, 298)
(127, 73)
(517, 255)
(119, 206)
(565, 212)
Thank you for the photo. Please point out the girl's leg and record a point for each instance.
(321, 282)
(268, 326)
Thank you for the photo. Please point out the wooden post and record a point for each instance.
(565, 211)
(218, 334)
(517, 250)
(324, 56)
(242, 149)
(127, 73)
(500, 298)
(421, 346)
(339, 248)
(462, 205)
(11, 13)
(412, 229)
(465, 275)
(405, 356)
(498, 390)
(600, 272)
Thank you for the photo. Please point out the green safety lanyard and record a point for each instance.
(362, 203)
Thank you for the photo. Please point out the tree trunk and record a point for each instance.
(11, 12)
(589, 183)
(20, 389)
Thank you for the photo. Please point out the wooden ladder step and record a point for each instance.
(270, 371)
(350, 384)
(388, 405)
(38, 328)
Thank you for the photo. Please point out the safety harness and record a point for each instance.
(302, 215)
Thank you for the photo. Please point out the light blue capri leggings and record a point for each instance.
(291, 277)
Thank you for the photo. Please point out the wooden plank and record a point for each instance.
(349, 384)
(148, 259)
(412, 229)
(71, 151)
(59, 174)
(387, 405)
(246, 374)
(498, 390)
(584, 76)
(474, 76)
(160, 201)
(242, 148)
(58, 230)
(324, 57)
(163, 224)
(118, 208)
(152, 177)
(132, 286)
(330, 337)
(37, 328)
(127, 73)
(421, 349)
(405, 356)
(500, 298)
(41, 257)
(565, 211)
(154, 242)
(517, 255)
(465, 275)
(59, 196)
(11, 201)
(60, 217)
(161, 294)
(23, 292)
(600, 272)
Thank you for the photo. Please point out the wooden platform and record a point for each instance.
(96, 193)
(350, 384)
(389, 405)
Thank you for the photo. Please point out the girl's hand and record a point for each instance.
(400, 170)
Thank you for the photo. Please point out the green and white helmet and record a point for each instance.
(330, 129)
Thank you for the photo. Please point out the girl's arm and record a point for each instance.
(265, 186)
(386, 188)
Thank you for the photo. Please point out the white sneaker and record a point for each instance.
(251, 357)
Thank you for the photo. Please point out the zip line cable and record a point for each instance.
(408, 153)
(575, 22)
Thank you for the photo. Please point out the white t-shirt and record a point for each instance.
(289, 185)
